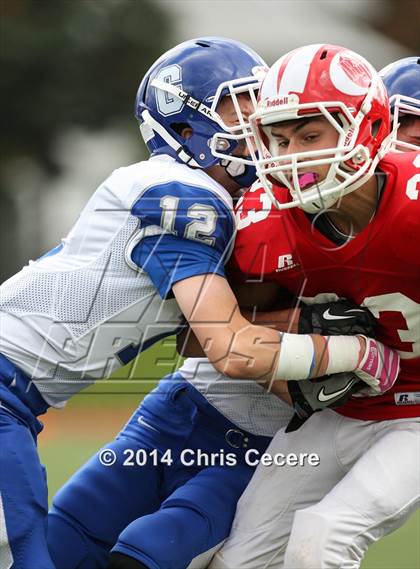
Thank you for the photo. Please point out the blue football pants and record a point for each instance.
(23, 486)
(164, 515)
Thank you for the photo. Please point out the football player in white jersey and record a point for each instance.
(149, 247)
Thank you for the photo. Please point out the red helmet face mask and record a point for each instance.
(342, 87)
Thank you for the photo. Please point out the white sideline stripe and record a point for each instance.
(6, 557)
(297, 70)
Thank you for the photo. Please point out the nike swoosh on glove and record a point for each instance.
(378, 368)
(312, 396)
(338, 318)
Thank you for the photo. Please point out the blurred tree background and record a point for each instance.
(63, 65)
(400, 22)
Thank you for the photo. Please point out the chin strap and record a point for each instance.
(170, 140)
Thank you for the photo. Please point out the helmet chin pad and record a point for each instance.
(322, 202)
(243, 174)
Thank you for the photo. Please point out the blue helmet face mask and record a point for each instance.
(402, 82)
(183, 89)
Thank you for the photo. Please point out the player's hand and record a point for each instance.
(379, 367)
(311, 396)
(340, 318)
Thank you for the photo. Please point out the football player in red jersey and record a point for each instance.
(335, 214)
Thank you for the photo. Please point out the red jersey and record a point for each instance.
(379, 268)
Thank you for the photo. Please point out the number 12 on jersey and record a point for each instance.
(202, 224)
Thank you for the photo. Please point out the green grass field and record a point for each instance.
(93, 417)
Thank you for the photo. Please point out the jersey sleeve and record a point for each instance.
(186, 231)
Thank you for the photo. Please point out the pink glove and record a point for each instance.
(379, 368)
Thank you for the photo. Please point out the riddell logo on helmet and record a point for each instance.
(357, 71)
(349, 136)
(277, 102)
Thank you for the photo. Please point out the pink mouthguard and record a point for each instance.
(307, 179)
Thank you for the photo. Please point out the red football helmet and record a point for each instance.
(340, 85)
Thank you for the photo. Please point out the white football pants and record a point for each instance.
(366, 485)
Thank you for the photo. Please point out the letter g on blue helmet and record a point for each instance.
(182, 89)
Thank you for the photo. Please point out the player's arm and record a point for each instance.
(263, 302)
(239, 349)
(187, 235)
(260, 303)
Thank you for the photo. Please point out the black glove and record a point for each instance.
(311, 396)
(341, 317)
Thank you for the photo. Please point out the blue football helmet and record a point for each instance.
(182, 89)
(402, 81)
